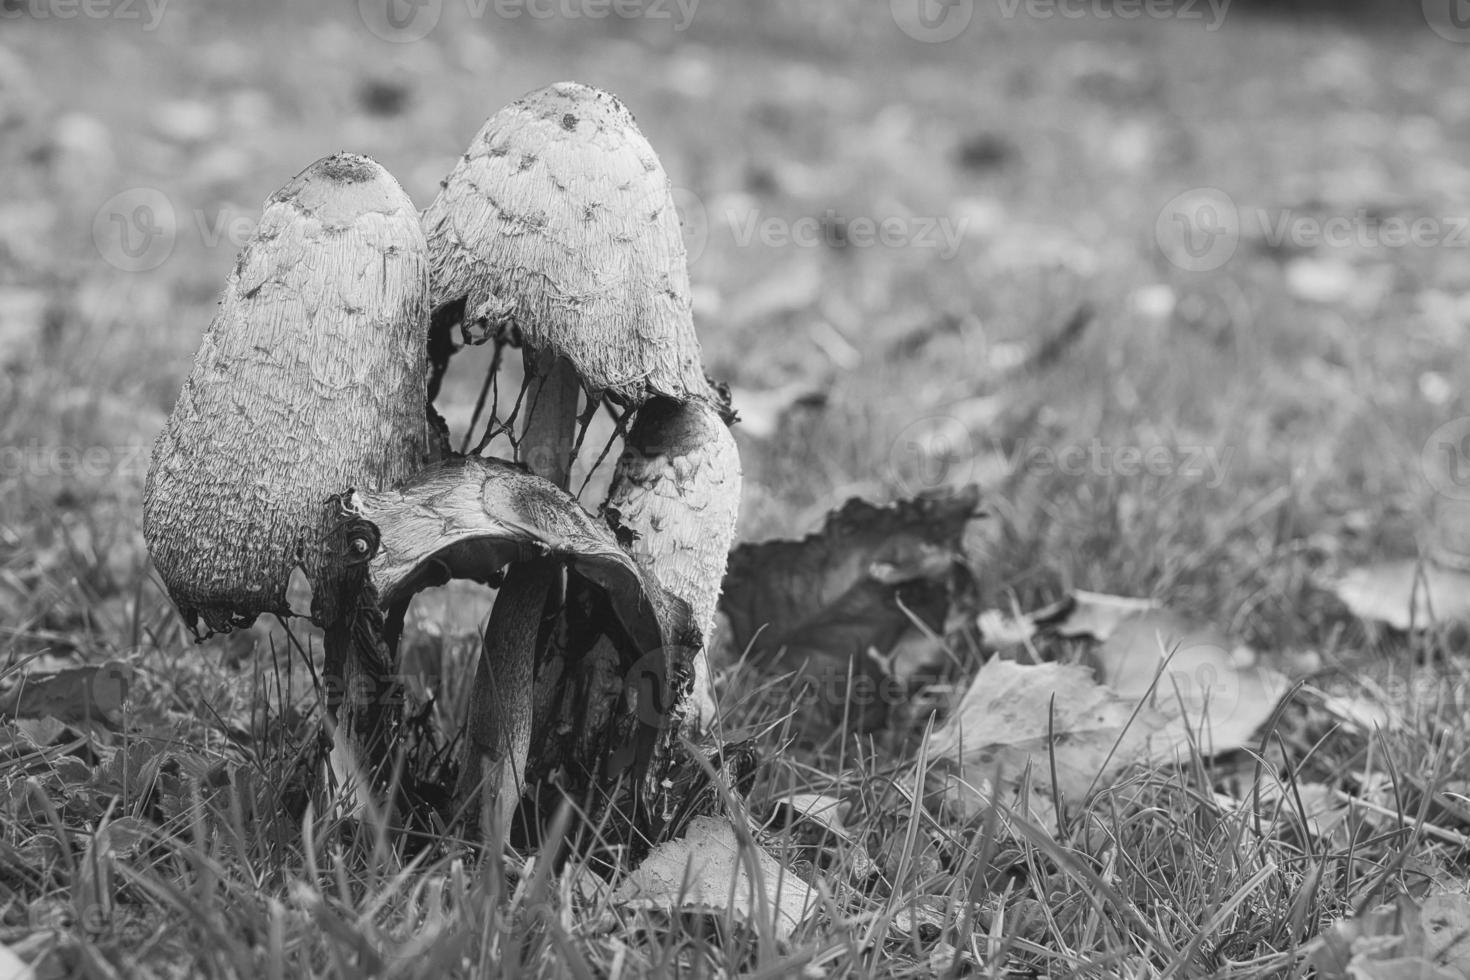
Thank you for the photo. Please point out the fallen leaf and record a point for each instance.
(711, 870)
(840, 600)
(1210, 695)
(1402, 941)
(12, 967)
(826, 811)
(1445, 919)
(1020, 717)
(94, 692)
(1362, 714)
(1407, 594)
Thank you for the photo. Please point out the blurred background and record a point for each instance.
(1180, 284)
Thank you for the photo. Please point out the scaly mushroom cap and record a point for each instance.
(677, 489)
(310, 379)
(560, 218)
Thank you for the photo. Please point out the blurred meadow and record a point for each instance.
(1185, 293)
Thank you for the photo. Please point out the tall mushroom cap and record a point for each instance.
(560, 218)
(310, 379)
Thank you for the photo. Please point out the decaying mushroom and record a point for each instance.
(677, 490)
(303, 436)
(469, 518)
(560, 222)
(310, 379)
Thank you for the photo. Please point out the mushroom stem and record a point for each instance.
(499, 731)
(551, 425)
(502, 696)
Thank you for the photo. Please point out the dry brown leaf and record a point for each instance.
(1404, 941)
(1407, 594)
(710, 869)
(825, 811)
(94, 692)
(12, 967)
(824, 604)
(1209, 692)
(1015, 717)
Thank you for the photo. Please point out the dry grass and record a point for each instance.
(1059, 142)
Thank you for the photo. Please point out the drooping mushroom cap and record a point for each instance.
(468, 517)
(676, 490)
(560, 217)
(310, 379)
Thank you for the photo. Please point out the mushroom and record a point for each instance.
(560, 219)
(560, 222)
(677, 490)
(469, 517)
(310, 379)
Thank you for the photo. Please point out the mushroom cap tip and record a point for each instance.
(341, 187)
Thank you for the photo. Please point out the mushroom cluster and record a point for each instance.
(305, 437)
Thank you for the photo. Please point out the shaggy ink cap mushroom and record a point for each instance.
(676, 489)
(560, 218)
(310, 379)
